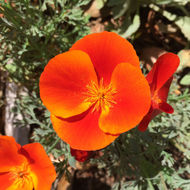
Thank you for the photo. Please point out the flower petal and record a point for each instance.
(81, 155)
(25, 184)
(143, 125)
(163, 95)
(106, 50)
(132, 100)
(162, 70)
(43, 171)
(157, 108)
(9, 153)
(163, 92)
(83, 134)
(165, 107)
(5, 180)
(64, 81)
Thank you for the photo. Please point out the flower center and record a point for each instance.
(100, 96)
(21, 176)
(156, 98)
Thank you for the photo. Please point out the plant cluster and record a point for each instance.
(34, 31)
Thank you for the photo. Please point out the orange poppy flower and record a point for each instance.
(95, 91)
(159, 79)
(27, 167)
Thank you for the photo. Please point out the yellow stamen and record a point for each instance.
(99, 96)
(21, 176)
(156, 98)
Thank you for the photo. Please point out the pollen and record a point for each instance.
(156, 98)
(100, 96)
(21, 176)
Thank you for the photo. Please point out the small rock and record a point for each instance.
(184, 56)
(93, 11)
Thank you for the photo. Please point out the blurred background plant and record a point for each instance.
(126, 13)
(33, 31)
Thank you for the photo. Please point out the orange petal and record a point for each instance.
(5, 180)
(132, 100)
(106, 50)
(9, 153)
(83, 134)
(162, 70)
(43, 171)
(26, 185)
(8, 182)
(63, 83)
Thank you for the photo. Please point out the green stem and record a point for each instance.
(150, 184)
(179, 97)
(53, 146)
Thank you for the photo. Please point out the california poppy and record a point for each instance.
(159, 79)
(27, 167)
(95, 91)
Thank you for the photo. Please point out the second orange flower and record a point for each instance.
(95, 91)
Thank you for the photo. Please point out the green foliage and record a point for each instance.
(185, 80)
(126, 14)
(32, 33)
(183, 22)
(134, 26)
(128, 10)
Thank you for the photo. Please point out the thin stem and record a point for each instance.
(53, 145)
